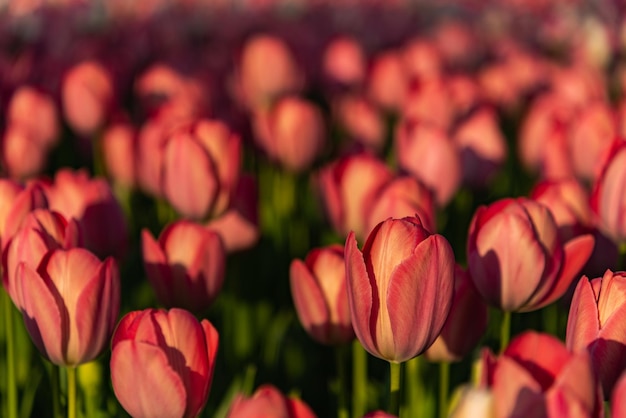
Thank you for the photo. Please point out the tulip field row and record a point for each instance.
(300, 209)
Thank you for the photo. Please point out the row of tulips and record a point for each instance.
(277, 164)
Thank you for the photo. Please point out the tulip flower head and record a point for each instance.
(70, 304)
(515, 256)
(400, 288)
(269, 402)
(162, 363)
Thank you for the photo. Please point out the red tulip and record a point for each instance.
(466, 323)
(596, 323)
(537, 376)
(41, 231)
(348, 187)
(162, 363)
(400, 288)
(268, 402)
(516, 258)
(607, 198)
(87, 97)
(185, 266)
(70, 304)
(318, 288)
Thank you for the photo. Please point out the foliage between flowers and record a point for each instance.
(216, 160)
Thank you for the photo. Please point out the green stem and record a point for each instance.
(505, 330)
(342, 398)
(359, 380)
(444, 387)
(394, 388)
(71, 392)
(11, 398)
(55, 389)
(414, 390)
(622, 257)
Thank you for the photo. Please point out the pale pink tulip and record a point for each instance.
(400, 288)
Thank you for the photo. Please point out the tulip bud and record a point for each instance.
(16, 202)
(516, 258)
(70, 304)
(185, 266)
(595, 323)
(162, 363)
(318, 287)
(400, 288)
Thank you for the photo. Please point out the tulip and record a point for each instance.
(515, 256)
(119, 152)
(607, 197)
(426, 152)
(429, 103)
(87, 97)
(362, 121)
(618, 398)
(92, 203)
(16, 203)
(268, 402)
(466, 323)
(348, 188)
(344, 62)
(596, 323)
(23, 156)
(318, 288)
(536, 376)
(70, 304)
(388, 81)
(37, 111)
(379, 414)
(42, 231)
(474, 402)
(292, 133)
(400, 288)
(162, 363)
(185, 266)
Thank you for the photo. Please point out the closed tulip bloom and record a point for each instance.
(515, 256)
(162, 363)
(42, 230)
(87, 97)
(466, 323)
(70, 304)
(185, 266)
(536, 376)
(388, 81)
(23, 156)
(119, 152)
(348, 188)
(36, 110)
(268, 402)
(318, 288)
(344, 62)
(400, 288)
(596, 323)
(608, 197)
(16, 202)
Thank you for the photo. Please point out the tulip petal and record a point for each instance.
(516, 393)
(310, 304)
(157, 267)
(45, 320)
(364, 303)
(419, 297)
(583, 323)
(145, 383)
(577, 380)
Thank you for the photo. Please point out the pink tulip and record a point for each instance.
(239, 225)
(16, 202)
(344, 61)
(292, 133)
(400, 197)
(515, 256)
(536, 376)
(318, 288)
(388, 81)
(363, 122)
(201, 164)
(23, 156)
(426, 152)
(162, 363)
(422, 60)
(87, 97)
(267, 70)
(607, 198)
(348, 188)
(90, 201)
(185, 266)
(429, 103)
(618, 398)
(466, 323)
(41, 231)
(268, 402)
(481, 145)
(400, 288)
(595, 323)
(37, 111)
(70, 304)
